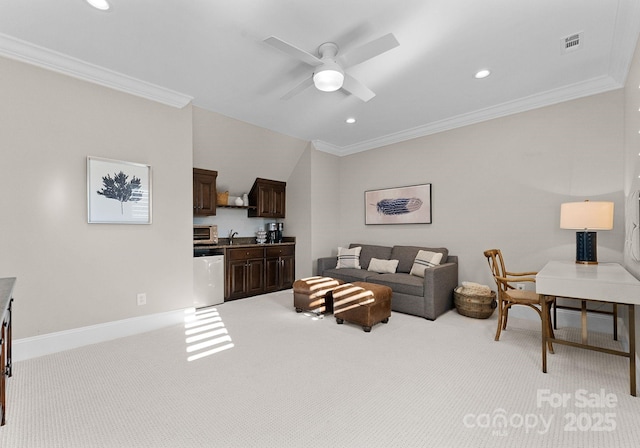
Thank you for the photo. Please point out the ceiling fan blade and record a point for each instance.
(294, 51)
(355, 87)
(370, 50)
(304, 85)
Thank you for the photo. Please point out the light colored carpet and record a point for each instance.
(290, 381)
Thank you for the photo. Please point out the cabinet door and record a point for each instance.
(272, 274)
(288, 272)
(269, 198)
(255, 278)
(279, 267)
(278, 200)
(236, 280)
(204, 192)
(245, 272)
(264, 201)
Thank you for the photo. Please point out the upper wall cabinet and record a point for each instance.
(269, 197)
(204, 192)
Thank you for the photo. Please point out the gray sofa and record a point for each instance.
(426, 297)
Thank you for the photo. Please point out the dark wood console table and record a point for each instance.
(6, 299)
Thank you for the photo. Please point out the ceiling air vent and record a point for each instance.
(572, 43)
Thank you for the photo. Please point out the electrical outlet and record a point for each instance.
(520, 286)
(142, 298)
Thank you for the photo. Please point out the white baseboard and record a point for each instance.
(32, 347)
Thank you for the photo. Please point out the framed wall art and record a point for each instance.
(118, 192)
(402, 205)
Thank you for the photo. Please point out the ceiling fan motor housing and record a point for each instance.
(329, 76)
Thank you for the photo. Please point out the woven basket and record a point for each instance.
(478, 307)
(222, 198)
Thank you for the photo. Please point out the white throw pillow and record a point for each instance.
(424, 260)
(383, 266)
(348, 258)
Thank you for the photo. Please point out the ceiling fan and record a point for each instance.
(329, 69)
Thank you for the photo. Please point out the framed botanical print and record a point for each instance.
(118, 192)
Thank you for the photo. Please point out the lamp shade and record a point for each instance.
(329, 77)
(586, 215)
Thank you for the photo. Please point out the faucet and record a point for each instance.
(232, 234)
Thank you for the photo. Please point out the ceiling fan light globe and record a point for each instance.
(328, 79)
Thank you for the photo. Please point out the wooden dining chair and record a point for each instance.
(508, 295)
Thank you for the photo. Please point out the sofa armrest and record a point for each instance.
(326, 263)
(439, 283)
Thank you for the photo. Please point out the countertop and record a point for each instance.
(223, 243)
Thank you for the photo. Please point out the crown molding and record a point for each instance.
(29, 53)
(572, 92)
(627, 30)
(622, 51)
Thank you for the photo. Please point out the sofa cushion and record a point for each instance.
(370, 251)
(348, 258)
(400, 283)
(425, 260)
(383, 266)
(406, 255)
(348, 274)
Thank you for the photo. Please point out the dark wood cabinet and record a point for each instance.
(250, 271)
(204, 192)
(279, 267)
(244, 272)
(269, 199)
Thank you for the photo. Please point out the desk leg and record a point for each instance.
(632, 349)
(584, 322)
(545, 326)
(615, 321)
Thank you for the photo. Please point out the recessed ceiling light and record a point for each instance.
(482, 74)
(102, 5)
(350, 120)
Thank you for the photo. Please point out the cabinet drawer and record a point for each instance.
(280, 251)
(245, 253)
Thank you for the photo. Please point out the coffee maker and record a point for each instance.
(274, 232)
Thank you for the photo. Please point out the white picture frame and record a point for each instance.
(118, 192)
(401, 205)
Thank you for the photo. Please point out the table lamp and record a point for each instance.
(586, 217)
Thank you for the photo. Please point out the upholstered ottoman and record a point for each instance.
(362, 303)
(314, 294)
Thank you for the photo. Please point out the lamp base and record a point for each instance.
(586, 248)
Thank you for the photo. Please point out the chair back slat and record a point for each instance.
(496, 264)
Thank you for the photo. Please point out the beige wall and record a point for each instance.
(495, 184)
(299, 212)
(70, 273)
(313, 199)
(500, 184)
(240, 152)
(632, 173)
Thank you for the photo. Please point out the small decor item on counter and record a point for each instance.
(261, 236)
(239, 201)
(245, 200)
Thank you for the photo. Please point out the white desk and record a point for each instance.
(604, 282)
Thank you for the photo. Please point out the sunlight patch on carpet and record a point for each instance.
(205, 333)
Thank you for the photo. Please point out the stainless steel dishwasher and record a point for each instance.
(208, 278)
